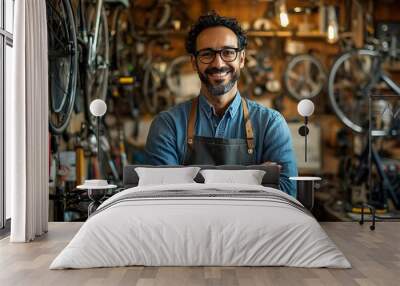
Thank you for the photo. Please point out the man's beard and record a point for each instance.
(219, 88)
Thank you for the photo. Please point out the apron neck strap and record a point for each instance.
(192, 121)
(248, 125)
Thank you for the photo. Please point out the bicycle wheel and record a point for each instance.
(151, 86)
(181, 80)
(122, 41)
(96, 81)
(352, 75)
(304, 77)
(63, 63)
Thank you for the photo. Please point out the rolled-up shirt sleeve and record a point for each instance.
(161, 146)
(278, 148)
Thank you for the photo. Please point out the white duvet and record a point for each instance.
(183, 231)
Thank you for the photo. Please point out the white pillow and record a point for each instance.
(249, 177)
(163, 176)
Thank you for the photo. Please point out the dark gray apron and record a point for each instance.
(219, 151)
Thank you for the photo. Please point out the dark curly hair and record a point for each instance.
(212, 19)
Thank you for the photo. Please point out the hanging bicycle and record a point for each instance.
(355, 77)
(76, 45)
(78, 69)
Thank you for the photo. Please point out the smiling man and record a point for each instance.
(219, 126)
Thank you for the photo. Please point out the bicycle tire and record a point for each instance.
(99, 77)
(333, 74)
(308, 85)
(122, 41)
(149, 87)
(173, 79)
(60, 110)
(165, 16)
(160, 16)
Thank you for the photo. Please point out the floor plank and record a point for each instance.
(375, 257)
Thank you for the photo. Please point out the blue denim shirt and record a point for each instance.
(166, 141)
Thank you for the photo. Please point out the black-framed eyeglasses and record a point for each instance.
(207, 56)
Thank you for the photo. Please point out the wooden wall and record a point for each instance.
(246, 11)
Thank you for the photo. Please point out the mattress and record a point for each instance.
(201, 225)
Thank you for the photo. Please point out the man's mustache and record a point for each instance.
(217, 70)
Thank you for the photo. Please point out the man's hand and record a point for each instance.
(268, 163)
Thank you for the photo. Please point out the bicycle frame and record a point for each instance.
(380, 75)
(87, 39)
(370, 155)
(93, 45)
(394, 86)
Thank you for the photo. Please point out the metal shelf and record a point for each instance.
(277, 33)
(287, 34)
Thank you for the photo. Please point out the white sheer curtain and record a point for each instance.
(27, 123)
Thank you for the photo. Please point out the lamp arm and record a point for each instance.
(305, 138)
(98, 146)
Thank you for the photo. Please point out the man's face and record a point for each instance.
(218, 75)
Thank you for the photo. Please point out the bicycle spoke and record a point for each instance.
(59, 41)
(59, 106)
(60, 87)
(304, 77)
(55, 33)
(293, 75)
(64, 73)
(55, 9)
(313, 85)
(344, 84)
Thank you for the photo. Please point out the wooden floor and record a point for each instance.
(375, 256)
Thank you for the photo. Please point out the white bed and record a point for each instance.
(201, 224)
